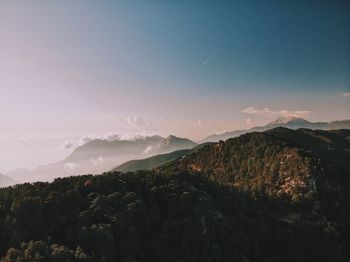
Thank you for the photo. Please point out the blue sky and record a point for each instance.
(183, 67)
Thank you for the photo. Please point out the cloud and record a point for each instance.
(115, 137)
(66, 145)
(199, 123)
(248, 121)
(136, 121)
(97, 161)
(346, 94)
(266, 112)
(70, 166)
(220, 132)
(148, 150)
(85, 139)
(138, 135)
(109, 137)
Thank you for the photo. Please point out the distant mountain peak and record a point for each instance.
(171, 139)
(291, 122)
(174, 138)
(284, 120)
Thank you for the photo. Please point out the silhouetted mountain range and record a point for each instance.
(278, 195)
(290, 122)
(98, 156)
(287, 122)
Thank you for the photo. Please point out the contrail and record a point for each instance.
(210, 58)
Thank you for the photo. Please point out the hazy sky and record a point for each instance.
(189, 68)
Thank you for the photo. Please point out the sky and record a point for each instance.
(190, 68)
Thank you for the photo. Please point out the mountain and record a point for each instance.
(223, 136)
(172, 143)
(278, 195)
(99, 155)
(6, 181)
(112, 149)
(279, 163)
(155, 161)
(151, 162)
(287, 122)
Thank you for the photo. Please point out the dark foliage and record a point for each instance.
(155, 161)
(276, 196)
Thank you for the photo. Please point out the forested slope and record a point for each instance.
(281, 195)
(155, 161)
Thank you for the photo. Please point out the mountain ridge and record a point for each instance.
(278, 195)
(307, 152)
(154, 161)
(288, 122)
(100, 155)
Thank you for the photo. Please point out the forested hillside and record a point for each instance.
(280, 195)
(155, 161)
(279, 162)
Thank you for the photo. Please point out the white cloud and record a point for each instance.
(220, 132)
(115, 137)
(248, 121)
(266, 112)
(132, 137)
(97, 161)
(199, 123)
(70, 166)
(148, 150)
(137, 136)
(66, 145)
(136, 121)
(109, 137)
(85, 139)
(346, 94)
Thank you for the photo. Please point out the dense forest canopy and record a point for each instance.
(280, 195)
